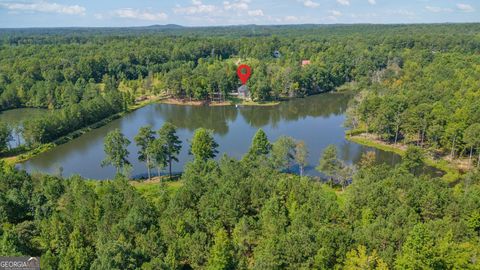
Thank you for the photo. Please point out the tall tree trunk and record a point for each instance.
(170, 168)
(301, 171)
(453, 147)
(148, 168)
(478, 164)
(423, 136)
(470, 159)
(396, 134)
(158, 173)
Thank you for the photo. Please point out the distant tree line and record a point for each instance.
(33, 73)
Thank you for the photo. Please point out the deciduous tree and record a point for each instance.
(115, 147)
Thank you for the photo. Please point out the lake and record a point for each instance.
(317, 120)
(15, 118)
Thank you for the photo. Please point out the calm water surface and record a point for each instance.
(317, 120)
(15, 119)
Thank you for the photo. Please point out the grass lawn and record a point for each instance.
(150, 189)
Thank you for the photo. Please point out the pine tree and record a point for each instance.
(173, 145)
(221, 254)
(143, 140)
(203, 146)
(329, 163)
(260, 144)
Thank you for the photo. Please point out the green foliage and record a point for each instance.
(115, 147)
(221, 254)
(144, 139)
(413, 159)
(359, 259)
(203, 146)
(229, 215)
(422, 86)
(5, 137)
(415, 104)
(260, 144)
(301, 155)
(472, 139)
(172, 144)
(283, 153)
(157, 151)
(329, 163)
(55, 125)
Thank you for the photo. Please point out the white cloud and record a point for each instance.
(46, 7)
(344, 2)
(236, 5)
(255, 13)
(130, 13)
(372, 2)
(310, 3)
(438, 9)
(465, 7)
(335, 13)
(402, 13)
(290, 19)
(197, 7)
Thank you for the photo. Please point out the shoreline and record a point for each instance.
(42, 148)
(31, 153)
(180, 102)
(453, 171)
(160, 99)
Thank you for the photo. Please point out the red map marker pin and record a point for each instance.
(244, 75)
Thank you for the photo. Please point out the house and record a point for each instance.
(305, 63)
(243, 92)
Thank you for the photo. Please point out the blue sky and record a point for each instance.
(59, 13)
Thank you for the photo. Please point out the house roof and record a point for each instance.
(305, 62)
(243, 89)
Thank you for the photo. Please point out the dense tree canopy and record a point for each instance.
(230, 215)
(416, 84)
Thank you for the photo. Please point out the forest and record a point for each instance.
(426, 67)
(242, 214)
(414, 85)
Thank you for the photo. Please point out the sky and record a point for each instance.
(119, 13)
